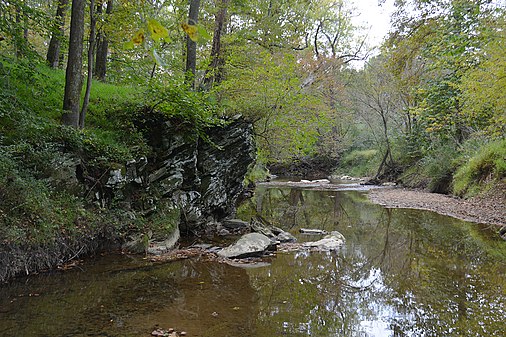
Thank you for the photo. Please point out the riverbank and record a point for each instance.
(489, 208)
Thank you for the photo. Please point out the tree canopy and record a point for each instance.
(287, 66)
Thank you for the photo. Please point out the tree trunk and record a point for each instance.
(388, 152)
(214, 72)
(53, 52)
(73, 75)
(91, 52)
(102, 47)
(19, 39)
(191, 46)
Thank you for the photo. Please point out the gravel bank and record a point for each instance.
(488, 209)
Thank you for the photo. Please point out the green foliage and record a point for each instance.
(483, 85)
(443, 41)
(266, 88)
(15, 17)
(256, 173)
(34, 147)
(174, 100)
(33, 85)
(485, 166)
(439, 165)
(32, 209)
(359, 163)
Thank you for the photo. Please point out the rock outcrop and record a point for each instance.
(188, 182)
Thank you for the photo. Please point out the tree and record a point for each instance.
(18, 20)
(483, 86)
(53, 52)
(446, 38)
(191, 46)
(73, 75)
(379, 105)
(214, 72)
(100, 68)
(91, 49)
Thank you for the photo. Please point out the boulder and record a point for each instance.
(260, 225)
(285, 237)
(332, 241)
(502, 233)
(235, 224)
(162, 247)
(252, 244)
(204, 178)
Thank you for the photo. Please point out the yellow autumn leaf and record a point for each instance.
(191, 30)
(128, 45)
(156, 30)
(139, 37)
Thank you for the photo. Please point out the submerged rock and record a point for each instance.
(252, 244)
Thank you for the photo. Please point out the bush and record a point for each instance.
(195, 110)
(360, 163)
(439, 165)
(481, 169)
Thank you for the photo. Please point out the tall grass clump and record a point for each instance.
(481, 169)
(360, 163)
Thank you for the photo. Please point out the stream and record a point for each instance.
(401, 272)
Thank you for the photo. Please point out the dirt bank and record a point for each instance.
(488, 209)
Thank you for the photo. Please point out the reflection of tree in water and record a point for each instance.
(447, 285)
(133, 299)
(402, 273)
(315, 294)
(296, 208)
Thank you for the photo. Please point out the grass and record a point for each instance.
(481, 169)
(359, 163)
(37, 206)
(34, 207)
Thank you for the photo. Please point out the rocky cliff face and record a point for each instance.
(187, 182)
(184, 185)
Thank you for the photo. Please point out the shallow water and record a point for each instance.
(401, 273)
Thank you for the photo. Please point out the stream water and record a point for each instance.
(401, 273)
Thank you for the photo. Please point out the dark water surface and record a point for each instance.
(401, 273)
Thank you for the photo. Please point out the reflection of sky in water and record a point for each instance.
(402, 272)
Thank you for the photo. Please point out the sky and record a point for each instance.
(375, 18)
(376, 21)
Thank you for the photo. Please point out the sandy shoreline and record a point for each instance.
(489, 209)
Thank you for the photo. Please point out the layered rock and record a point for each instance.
(185, 182)
(201, 178)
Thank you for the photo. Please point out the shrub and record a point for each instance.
(360, 163)
(439, 165)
